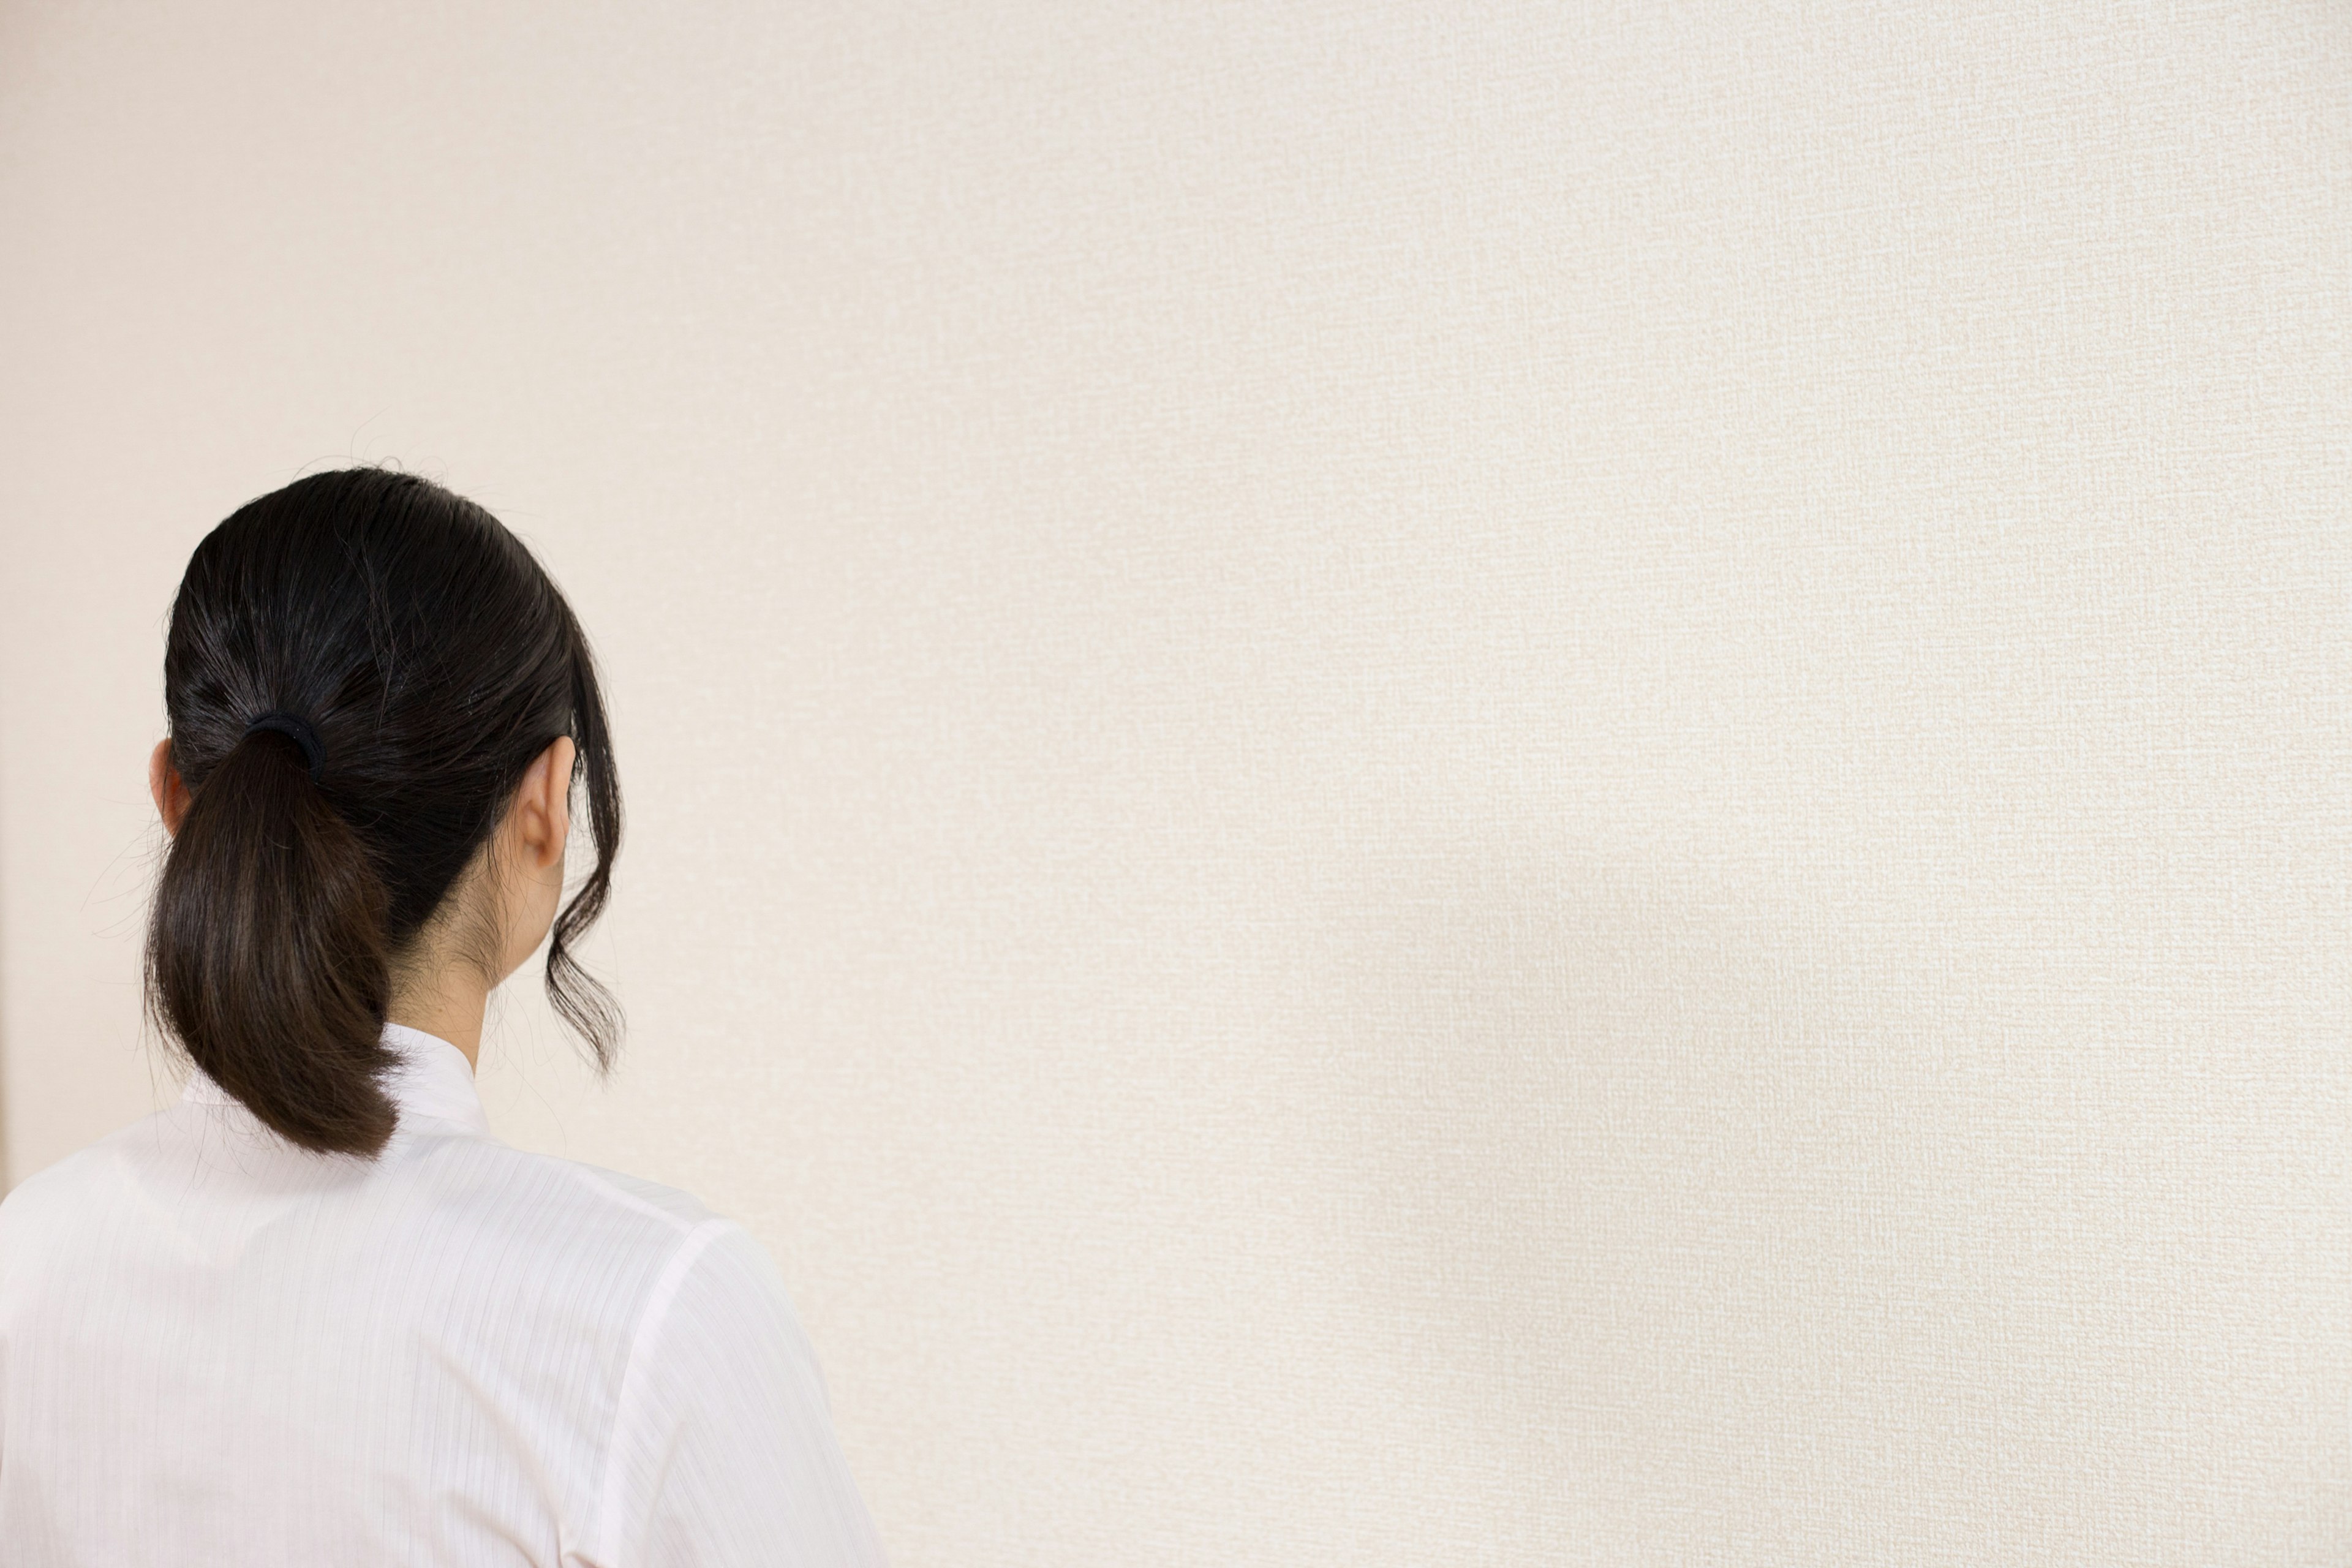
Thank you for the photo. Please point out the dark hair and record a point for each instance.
(434, 660)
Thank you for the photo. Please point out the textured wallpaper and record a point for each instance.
(1504, 785)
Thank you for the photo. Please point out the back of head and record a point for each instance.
(410, 660)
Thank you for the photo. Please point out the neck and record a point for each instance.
(450, 1006)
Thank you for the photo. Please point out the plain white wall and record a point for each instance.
(1471, 785)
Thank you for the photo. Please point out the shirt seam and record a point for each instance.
(612, 1192)
(690, 1248)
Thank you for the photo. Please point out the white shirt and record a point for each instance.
(216, 1348)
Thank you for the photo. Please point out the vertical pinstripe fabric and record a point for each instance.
(216, 1348)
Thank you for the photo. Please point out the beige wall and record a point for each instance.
(1554, 784)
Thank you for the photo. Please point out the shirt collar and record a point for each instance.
(432, 1081)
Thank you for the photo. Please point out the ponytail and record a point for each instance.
(362, 667)
(266, 953)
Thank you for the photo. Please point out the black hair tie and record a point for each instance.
(299, 728)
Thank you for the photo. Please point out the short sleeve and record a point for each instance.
(723, 1451)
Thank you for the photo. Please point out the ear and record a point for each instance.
(540, 818)
(164, 784)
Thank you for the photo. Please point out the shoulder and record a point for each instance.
(689, 1260)
(703, 1304)
(39, 1203)
(705, 1262)
(53, 1182)
(63, 1192)
(665, 1207)
(522, 1239)
(547, 1201)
